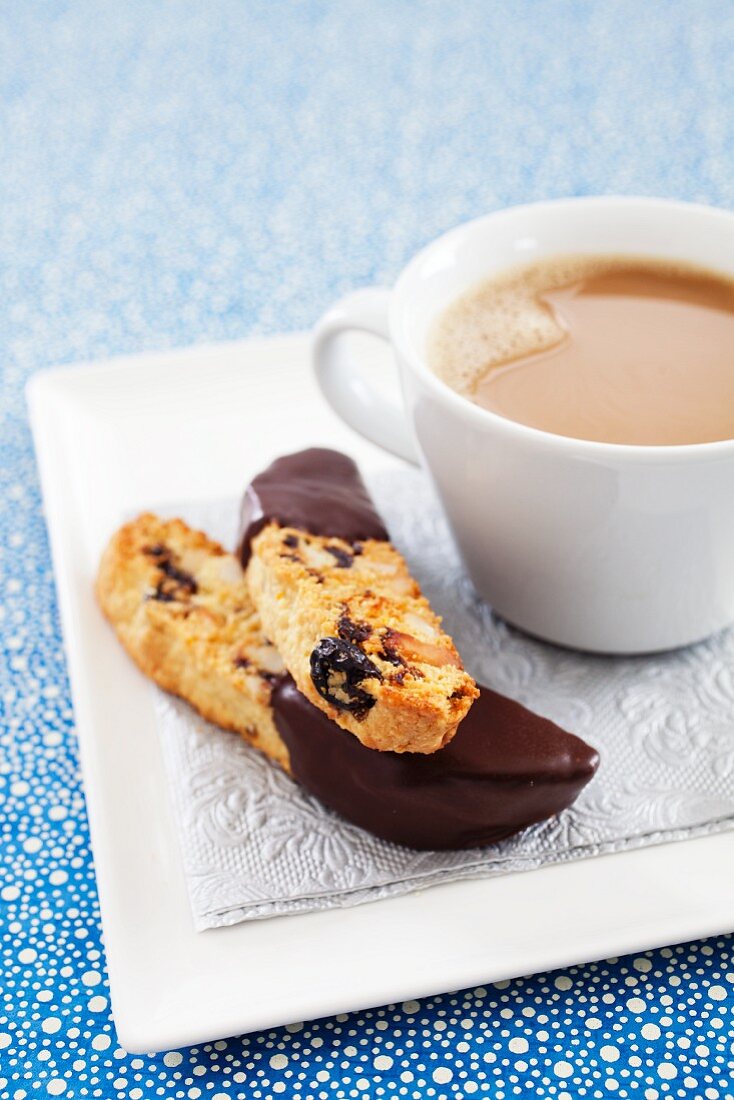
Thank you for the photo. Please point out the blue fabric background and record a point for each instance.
(195, 171)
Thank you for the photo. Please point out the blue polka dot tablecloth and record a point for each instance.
(174, 173)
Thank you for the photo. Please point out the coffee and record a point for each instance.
(616, 349)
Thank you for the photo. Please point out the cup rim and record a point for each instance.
(476, 416)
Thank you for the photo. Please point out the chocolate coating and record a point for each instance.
(505, 769)
(318, 490)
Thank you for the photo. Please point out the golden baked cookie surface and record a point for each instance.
(181, 607)
(360, 640)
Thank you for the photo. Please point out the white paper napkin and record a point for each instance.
(254, 844)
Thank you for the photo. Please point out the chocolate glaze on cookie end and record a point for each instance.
(506, 768)
(317, 490)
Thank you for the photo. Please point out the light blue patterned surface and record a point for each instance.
(185, 172)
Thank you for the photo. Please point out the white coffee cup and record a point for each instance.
(598, 546)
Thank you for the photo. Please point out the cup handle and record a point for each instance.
(346, 384)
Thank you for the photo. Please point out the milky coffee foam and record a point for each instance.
(499, 320)
(617, 349)
(504, 318)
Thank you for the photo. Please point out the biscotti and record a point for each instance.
(181, 608)
(338, 601)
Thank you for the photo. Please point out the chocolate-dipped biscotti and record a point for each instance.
(182, 610)
(338, 601)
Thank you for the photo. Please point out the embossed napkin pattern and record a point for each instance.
(254, 844)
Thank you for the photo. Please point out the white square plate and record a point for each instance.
(116, 437)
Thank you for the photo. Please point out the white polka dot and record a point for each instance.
(643, 965)
(382, 1061)
(609, 1053)
(58, 878)
(650, 1031)
(56, 1086)
(135, 1094)
(411, 1007)
(51, 1025)
(32, 844)
(593, 1023)
(322, 1075)
(173, 1058)
(5, 1040)
(91, 977)
(278, 1061)
(10, 893)
(562, 1069)
(563, 982)
(442, 1075)
(636, 1005)
(27, 955)
(518, 1045)
(717, 993)
(97, 1004)
(667, 1071)
(279, 1086)
(101, 1042)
